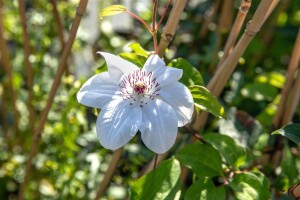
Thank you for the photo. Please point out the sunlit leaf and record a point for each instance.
(137, 59)
(191, 76)
(206, 101)
(204, 189)
(112, 10)
(259, 91)
(273, 78)
(247, 185)
(138, 49)
(161, 183)
(291, 131)
(233, 154)
(203, 159)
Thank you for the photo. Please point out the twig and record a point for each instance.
(8, 70)
(197, 136)
(164, 15)
(109, 173)
(170, 28)
(61, 68)
(154, 14)
(288, 85)
(28, 67)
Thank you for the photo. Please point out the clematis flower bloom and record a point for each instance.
(150, 100)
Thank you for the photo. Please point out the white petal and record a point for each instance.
(180, 98)
(170, 75)
(97, 91)
(159, 126)
(163, 74)
(117, 66)
(154, 62)
(117, 123)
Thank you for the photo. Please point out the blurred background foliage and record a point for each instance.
(70, 163)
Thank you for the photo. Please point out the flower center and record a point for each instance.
(139, 87)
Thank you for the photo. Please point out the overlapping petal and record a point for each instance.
(97, 91)
(159, 126)
(180, 98)
(117, 124)
(117, 66)
(163, 74)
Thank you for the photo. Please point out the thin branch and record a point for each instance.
(171, 25)
(154, 14)
(164, 15)
(141, 20)
(8, 70)
(28, 67)
(59, 27)
(109, 173)
(294, 62)
(155, 161)
(57, 80)
(195, 135)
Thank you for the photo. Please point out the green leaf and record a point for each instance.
(191, 76)
(232, 153)
(291, 131)
(259, 91)
(137, 59)
(161, 183)
(204, 100)
(138, 49)
(204, 189)
(112, 10)
(203, 159)
(273, 78)
(249, 186)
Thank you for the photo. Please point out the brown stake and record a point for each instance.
(294, 62)
(236, 28)
(171, 25)
(8, 70)
(60, 71)
(109, 173)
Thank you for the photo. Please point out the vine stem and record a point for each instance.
(163, 16)
(28, 66)
(57, 80)
(171, 25)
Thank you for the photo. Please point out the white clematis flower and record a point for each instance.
(150, 100)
